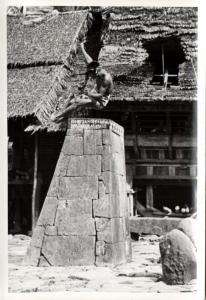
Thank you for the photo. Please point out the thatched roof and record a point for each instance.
(40, 59)
(48, 40)
(125, 52)
(131, 27)
(136, 86)
(26, 86)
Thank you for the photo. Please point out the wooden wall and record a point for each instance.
(160, 147)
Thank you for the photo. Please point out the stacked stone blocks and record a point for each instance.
(84, 219)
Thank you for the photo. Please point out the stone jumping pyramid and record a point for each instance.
(84, 219)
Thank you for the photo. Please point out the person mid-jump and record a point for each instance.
(95, 95)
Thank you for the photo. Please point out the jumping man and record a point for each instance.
(97, 93)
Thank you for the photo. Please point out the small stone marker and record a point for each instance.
(85, 216)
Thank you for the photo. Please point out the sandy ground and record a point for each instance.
(143, 274)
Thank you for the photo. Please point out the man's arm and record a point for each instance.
(88, 58)
(109, 84)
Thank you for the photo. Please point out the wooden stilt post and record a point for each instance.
(194, 196)
(131, 204)
(35, 182)
(149, 196)
(163, 61)
(135, 130)
(169, 132)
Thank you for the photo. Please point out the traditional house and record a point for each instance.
(151, 54)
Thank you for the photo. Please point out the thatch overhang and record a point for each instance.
(41, 57)
(26, 87)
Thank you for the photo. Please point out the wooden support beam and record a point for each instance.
(122, 106)
(163, 59)
(194, 195)
(35, 183)
(149, 196)
(159, 162)
(131, 204)
(169, 130)
(135, 130)
(165, 180)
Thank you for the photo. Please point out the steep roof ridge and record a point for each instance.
(50, 101)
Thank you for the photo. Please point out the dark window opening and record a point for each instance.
(165, 55)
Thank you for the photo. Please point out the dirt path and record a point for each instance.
(142, 274)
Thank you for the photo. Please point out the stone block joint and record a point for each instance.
(82, 218)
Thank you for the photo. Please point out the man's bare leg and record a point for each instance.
(59, 117)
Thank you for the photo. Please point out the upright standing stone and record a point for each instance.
(178, 257)
(84, 219)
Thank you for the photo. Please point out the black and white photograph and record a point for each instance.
(102, 127)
